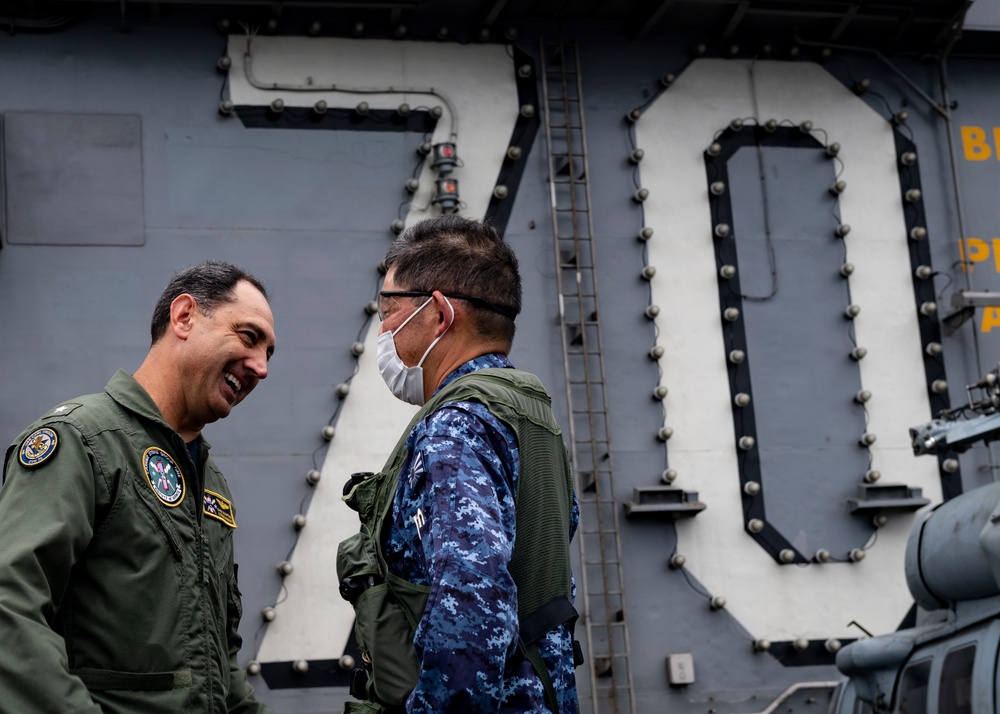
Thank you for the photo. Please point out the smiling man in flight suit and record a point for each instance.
(118, 590)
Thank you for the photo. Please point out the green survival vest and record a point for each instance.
(388, 608)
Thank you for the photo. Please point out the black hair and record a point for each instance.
(210, 284)
(458, 255)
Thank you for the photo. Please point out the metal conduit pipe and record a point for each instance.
(943, 71)
(943, 108)
(943, 111)
(429, 91)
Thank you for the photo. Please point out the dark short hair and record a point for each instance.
(458, 255)
(210, 284)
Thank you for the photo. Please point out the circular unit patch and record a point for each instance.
(164, 476)
(38, 447)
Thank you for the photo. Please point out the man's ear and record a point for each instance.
(447, 312)
(184, 311)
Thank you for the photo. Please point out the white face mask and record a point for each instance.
(405, 383)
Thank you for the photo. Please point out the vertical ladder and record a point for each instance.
(589, 428)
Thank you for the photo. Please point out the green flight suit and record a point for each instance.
(117, 585)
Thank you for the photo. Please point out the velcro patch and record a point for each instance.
(164, 476)
(220, 508)
(38, 447)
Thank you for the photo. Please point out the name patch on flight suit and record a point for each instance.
(220, 508)
(164, 476)
(38, 447)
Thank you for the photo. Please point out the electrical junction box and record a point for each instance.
(680, 668)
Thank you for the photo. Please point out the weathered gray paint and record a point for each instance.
(73, 179)
(309, 213)
(799, 345)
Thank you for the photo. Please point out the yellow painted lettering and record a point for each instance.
(996, 253)
(976, 251)
(991, 319)
(974, 144)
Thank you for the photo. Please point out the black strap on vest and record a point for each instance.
(532, 654)
(534, 625)
(549, 616)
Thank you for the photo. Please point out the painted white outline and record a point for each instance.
(772, 601)
(313, 622)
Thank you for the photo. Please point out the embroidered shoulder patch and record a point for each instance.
(220, 508)
(164, 476)
(416, 468)
(38, 447)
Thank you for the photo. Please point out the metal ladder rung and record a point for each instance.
(590, 439)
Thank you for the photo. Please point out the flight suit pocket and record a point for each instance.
(102, 679)
(148, 500)
(116, 691)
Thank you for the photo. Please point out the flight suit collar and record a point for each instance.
(130, 394)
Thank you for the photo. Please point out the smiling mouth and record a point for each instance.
(234, 383)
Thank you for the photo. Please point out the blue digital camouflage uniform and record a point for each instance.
(453, 529)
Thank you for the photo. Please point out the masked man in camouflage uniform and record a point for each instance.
(117, 585)
(483, 459)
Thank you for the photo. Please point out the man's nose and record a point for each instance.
(257, 364)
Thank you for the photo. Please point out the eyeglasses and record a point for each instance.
(385, 295)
